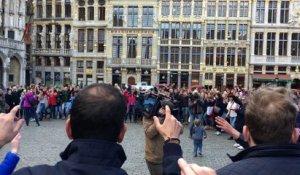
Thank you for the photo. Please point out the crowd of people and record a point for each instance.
(264, 122)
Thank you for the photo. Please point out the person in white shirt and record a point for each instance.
(231, 108)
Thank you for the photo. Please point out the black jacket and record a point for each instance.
(84, 157)
(265, 160)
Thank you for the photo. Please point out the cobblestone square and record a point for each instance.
(42, 145)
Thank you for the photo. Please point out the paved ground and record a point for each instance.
(42, 145)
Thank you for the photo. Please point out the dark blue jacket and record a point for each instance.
(9, 163)
(265, 160)
(84, 157)
(172, 152)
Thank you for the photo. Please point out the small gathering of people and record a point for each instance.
(264, 123)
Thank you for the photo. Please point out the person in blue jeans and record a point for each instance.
(11, 159)
(198, 135)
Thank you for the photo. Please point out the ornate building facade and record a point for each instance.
(275, 46)
(204, 42)
(12, 48)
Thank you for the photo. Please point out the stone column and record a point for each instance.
(62, 8)
(62, 65)
(33, 76)
(168, 77)
(190, 79)
(266, 11)
(52, 70)
(289, 44)
(5, 76)
(179, 80)
(52, 36)
(72, 71)
(43, 70)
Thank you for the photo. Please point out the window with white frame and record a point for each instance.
(272, 14)
(230, 56)
(198, 7)
(101, 40)
(283, 39)
(90, 40)
(260, 11)
(295, 47)
(185, 55)
(146, 47)
(220, 56)
(68, 9)
(165, 9)
(57, 36)
(221, 31)
(231, 32)
(174, 55)
(209, 59)
(39, 9)
(175, 30)
(81, 40)
(131, 46)
(284, 12)
(187, 4)
(259, 43)
(233, 8)
(147, 16)
(176, 8)
(132, 16)
(164, 54)
(101, 13)
(117, 46)
(209, 76)
(197, 30)
(243, 30)
(222, 9)
(118, 16)
(196, 55)
(186, 30)
(210, 31)
(241, 57)
(271, 44)
(164, 30)
(244, 8)
(211, 8)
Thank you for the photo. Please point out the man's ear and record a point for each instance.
(68, 129)
(122, 133)
(247, 136)
(295, 135)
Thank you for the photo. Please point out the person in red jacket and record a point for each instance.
(52, 102)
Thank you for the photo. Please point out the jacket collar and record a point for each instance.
(95, 152)
(290, 150)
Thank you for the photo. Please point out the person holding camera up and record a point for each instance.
(196, 106)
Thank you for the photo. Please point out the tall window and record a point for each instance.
(90, 40)
(57, 36)
(39, 9)
(209, 60)
(196, 55)
(260, 11)
(147, 16)
(81, 40)
(198, 7)
(211, 8)
(80, 64)
(185, 55)
(174, 55)
(118, 16)
(58, 10)
(295, 47)
(132, 16)
(233, 8)
(230, 56)
(101, 39)
(243, 31)
(221, 31)
(222, 9)
(176, 8)
(175, 31)
(68, 9)
(164, 31)
(164, 53)
(90, 13)
(131, 46)
(48, 36)
(284, 12)
(81, 14)
(186, 30)
(283, 39)
(117, 47)
(271, 44)
(101, 13)
(272, 11)
(48, 9)
(146, 47)
(231, 32)
(165, 9)
(259, 43)
(67, 36)
(39, 30)
(242, 57)
(187, 4)
(210, 31)
(197, 30)
(244, 5)
(220, 56)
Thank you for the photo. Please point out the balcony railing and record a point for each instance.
(52, 51)
(132, 62)
(175, 41)
(196, 67)
(270, 59)
(164, 41)
(80, 70)
(11, 44)
(196, 42)
(99, 70)
(295, 59)
(185, 66)
(185, 41)
(174, 66)
(163, 65)
(115, 61)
